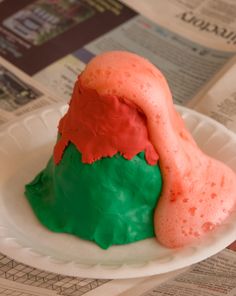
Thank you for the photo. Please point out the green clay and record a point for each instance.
(110, 202)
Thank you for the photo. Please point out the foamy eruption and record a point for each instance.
(198, 192)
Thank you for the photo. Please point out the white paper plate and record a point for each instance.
(25, 147)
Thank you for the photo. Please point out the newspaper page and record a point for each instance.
(189, 42)
(17, 279)
(189, 57)
(35, 33)
(208, 22)
(215, 276)
(218, 100)
(19, 93)
(186, 64)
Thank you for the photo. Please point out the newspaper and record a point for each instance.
(208, 22)
(23, 280)
(186, 64)
(19, 93)
(215, 276)
(188, 56)
(194, 45)
(218, 99)
(189, 42)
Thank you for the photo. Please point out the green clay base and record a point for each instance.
(110, 202)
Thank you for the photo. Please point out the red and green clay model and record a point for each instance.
(125, 168)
